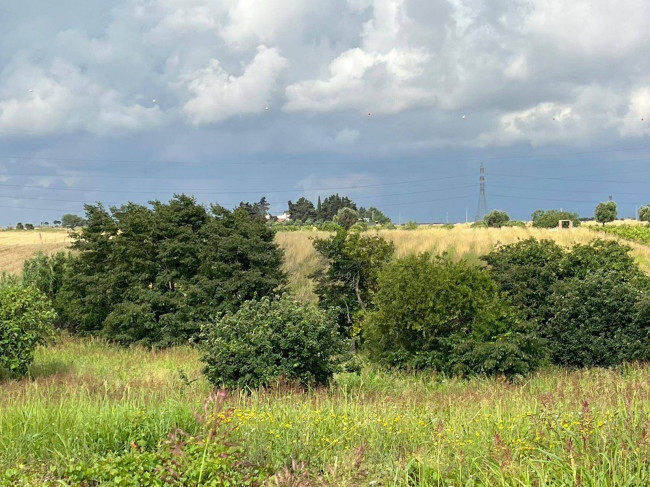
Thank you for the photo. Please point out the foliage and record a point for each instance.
(601, 319)
(152, 275)
(302, 210)
(514, 223)
(496, 218)
(433, 312)
(26, 318)
(605, 212)
(331, 205)
(350, 276)
(29, 226)
(270, 339)
(373, 215)
(600, 255)
(527, 271)
(447, 226)
(256, 210)
(70, 220)
(410, 225)
(479, 224)
(45, 273)
(20, 226)
(346, 217)
(551, 218)
(644, 213)
(636, 233)
(359, 226)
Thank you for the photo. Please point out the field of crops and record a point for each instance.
(634, 233)
(90, 399)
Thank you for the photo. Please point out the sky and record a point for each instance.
(395, 103)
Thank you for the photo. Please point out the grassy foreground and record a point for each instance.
(89, 398)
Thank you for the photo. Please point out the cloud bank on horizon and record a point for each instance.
(537, 72)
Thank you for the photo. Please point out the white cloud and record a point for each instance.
(215, 95)
(346, 136)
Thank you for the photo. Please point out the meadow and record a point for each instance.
(87, 399)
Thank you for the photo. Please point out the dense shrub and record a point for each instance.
(478, 224)
(605, 212)
(587, 301)
(644, 213)
(26, 318)
(551, 218)
(601, 319)
(432, 312)
(268, 339)
(349, 277)
(410, 225)
(527, 271)
(153, 274)
(496, 218)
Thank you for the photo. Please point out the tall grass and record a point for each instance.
(556, 427)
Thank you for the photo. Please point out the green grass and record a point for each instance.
(88, 398)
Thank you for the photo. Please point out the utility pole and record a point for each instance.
(481, 209)
(466, 215)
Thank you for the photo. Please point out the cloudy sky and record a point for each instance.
(392, 102)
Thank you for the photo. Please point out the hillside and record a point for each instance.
(18, 245)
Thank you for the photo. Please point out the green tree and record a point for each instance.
(551, 218)
(496, 218)
(433, 312)
(26, 318)
(331, 206)
(153, 274)
(302, 210)
(373, 215)
(268, 339)
(256, 210)
(346, 217)
(349, 277)
(20, 226)
(70, 220)
(29, 226)
(605, 212)
(644, 213)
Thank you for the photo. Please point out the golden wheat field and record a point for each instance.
(18, 245)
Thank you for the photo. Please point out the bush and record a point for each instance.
(268, 339)
(26, 318)
(644, 213)
(432, 312)
(330, 227)
(359, 227)
(496, 218)
(551, 218)
(527, 271)
(410, 225)
(600, 320)
(447, 226)
(45, 273)
(479, 224)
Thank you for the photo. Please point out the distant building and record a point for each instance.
(283, 217)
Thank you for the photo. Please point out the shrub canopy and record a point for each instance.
(268, 339)
(153, 274)
(26, 318)
(551, 218)
(432, 312)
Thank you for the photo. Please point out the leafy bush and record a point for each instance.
(330, 227)
(447, 226)
(479, 224)
(359, 227)
(410, 225)
(432, 312)
(602, 319)
(346, 217)
(644, 213)
(636, 233)
(350, 276)
(496, 218)
(26, 318)
(268, 339)
(152, 275)
(600, 255)
(45, 273)
(527, 271)
(551, 218)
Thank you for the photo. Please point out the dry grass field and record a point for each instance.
(16, 246)
(301, 259)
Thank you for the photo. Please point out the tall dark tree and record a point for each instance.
(154, 274)
(70, 220)
(302, 210)
(332, 204)
(256, 210)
